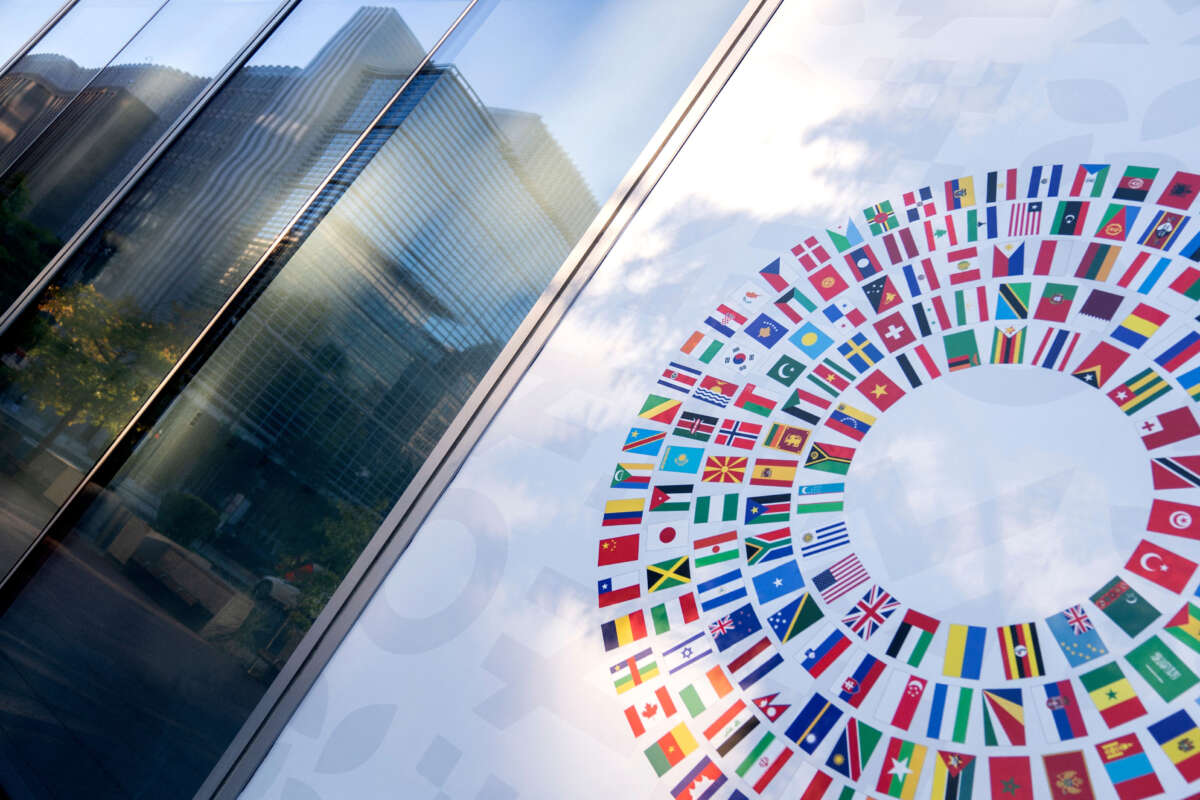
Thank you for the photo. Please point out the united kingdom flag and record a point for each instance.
(870, 612)
(1077, 618)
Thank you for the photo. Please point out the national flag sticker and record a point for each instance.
(843, 545)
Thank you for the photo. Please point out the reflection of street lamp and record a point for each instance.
(363, 472)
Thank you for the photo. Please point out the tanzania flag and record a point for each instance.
(901, 769)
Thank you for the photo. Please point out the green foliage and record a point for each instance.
(91, 359)
(186, 518)
(25, 248)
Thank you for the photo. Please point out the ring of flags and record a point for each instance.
(749, 648)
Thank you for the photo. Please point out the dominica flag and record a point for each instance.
(911, 640)
(953, 776)
(1010, 777)
(657, 408)
(901, 770)
(769, 546)
(853, 749)
(672, 748)
(1008, 345)
(829, 458)
(1064, 710)
(1112, 694)
(1020, 651)
(1068, 776)
(1128, 768)
(1179, 738)
(1164, 671)
(964, 651)
(880, 217)
(1185, 626)
(1138, 391)
(1003, 717)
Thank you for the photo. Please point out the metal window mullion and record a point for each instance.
(273, 711)
(32, 41)
(143, 165)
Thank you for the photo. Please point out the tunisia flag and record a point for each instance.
(1177, 519)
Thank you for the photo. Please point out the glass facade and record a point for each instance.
(261, 343)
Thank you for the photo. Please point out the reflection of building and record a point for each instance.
(73, 132)
(345, 373)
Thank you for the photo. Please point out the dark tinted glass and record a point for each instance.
(222, 537)
(75, 118)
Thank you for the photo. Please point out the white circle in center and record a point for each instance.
(998, 495)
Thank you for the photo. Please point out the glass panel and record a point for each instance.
(171, 253)
(22, 18)
(1050, 195)
(71, 127)
(247, 502)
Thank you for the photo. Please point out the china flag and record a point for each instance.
(1161, 566)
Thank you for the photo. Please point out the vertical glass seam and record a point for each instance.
(32, 41)
(236, 767)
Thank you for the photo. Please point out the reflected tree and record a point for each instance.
(93, 360)
(24, 247)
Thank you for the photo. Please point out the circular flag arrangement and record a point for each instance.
(749, 645)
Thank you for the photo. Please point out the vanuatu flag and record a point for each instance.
(829, 458)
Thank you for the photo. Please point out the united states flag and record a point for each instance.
(840, 578)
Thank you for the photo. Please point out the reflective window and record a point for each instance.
(222, 537)
(22, 19)
(75, 119)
